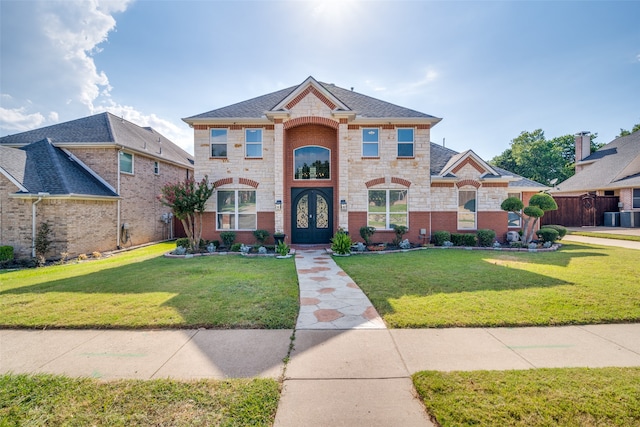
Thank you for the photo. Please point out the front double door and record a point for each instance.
(312, 215)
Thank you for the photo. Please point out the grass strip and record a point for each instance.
(143, 289)
(539, 397)
(578, 284)
(36, 400)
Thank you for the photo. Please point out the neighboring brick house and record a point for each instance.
(95, 180)
(311, 158)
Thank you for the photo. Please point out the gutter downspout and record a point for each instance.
(33, 222)
(118, 204)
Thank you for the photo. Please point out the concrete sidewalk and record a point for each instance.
(334, 377)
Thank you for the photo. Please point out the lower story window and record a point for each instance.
(467, 210)
(636, 198)
(236, 210)
(514, 219)
(387, 208)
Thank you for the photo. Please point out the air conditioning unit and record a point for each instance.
(513, 236)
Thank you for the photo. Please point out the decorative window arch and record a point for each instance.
(312, 162)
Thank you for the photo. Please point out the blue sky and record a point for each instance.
(489, 69)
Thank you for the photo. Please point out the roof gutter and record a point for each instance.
(33, 222)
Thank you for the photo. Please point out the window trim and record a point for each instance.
(156, 167)
(412, 143)
(132, 163)
(315, 179)
(387, 211)
(635, 200)
(253, 143)
(211, 143)
(235, 213)
(519, 195)
(370, 143)
(475, 212)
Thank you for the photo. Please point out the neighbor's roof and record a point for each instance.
(615, 165)
(42, 168)
(363, 105)
(105, 129)
(442, 156)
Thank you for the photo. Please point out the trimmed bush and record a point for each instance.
(6, 253)
(227, 238)
(236, 247)
(463, 239)
(261, 236)
(485, 237)
(366, 232)
(562, 231)
(183, 241)
(439, 237)
(547, 234)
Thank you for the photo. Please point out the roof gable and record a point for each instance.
(458, 161)
(310, 85)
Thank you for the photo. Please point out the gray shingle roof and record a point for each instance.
(364, 105)
(107, 129)
(616, 165)
(440, 157)
(42, 168)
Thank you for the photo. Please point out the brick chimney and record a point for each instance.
(583, 147)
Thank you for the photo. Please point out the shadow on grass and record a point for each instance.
(220, 292)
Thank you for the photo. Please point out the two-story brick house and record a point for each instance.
(311, 158)
(95, 180)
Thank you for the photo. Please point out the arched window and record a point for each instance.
(467, 208)
(312, 162)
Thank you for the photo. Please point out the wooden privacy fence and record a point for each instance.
(581, 211)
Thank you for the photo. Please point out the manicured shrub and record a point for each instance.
(485, 237)
(562, 231)
(463, 239)
(439, 237)
(366, 232)
(261, 236)
(400, 231)
(236, 247)
(183, 241)
(547, 234)
(227, 238)
(6, 253)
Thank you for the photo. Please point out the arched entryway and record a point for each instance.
(312, 216)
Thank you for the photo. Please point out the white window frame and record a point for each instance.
(375, 143)
(635, 200)
(236, 213)
(475, 213)
(123, 153)
(212, 142)
(387, 213)
(512, 214)
(156, 168)
(412, 142)
(248, 144)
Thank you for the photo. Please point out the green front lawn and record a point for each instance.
(606, 235)
(578, 284)
(539, 397)
(141, 288)
(59, 401)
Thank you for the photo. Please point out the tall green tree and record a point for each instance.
(533, 156)
(187, 200)
(624, 132)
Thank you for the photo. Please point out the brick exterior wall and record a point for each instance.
(15, 220)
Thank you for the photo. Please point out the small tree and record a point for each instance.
(187, 200)
(538, 205)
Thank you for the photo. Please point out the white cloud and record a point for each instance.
(17, 120)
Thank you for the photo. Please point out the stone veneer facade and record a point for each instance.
(311, 119)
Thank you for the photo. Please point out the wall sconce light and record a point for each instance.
(278, 205)
(343, 205)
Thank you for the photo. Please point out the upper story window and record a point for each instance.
(467, 209)
(370, 142)
(312, 163)
(387, 208)
(514, 220)
(218, 139)
(636, 198)
(405, 142)
(156, 168)
(253, 142)
(236, 210)
(126, 162)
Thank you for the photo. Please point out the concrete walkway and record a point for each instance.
(345, 368)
